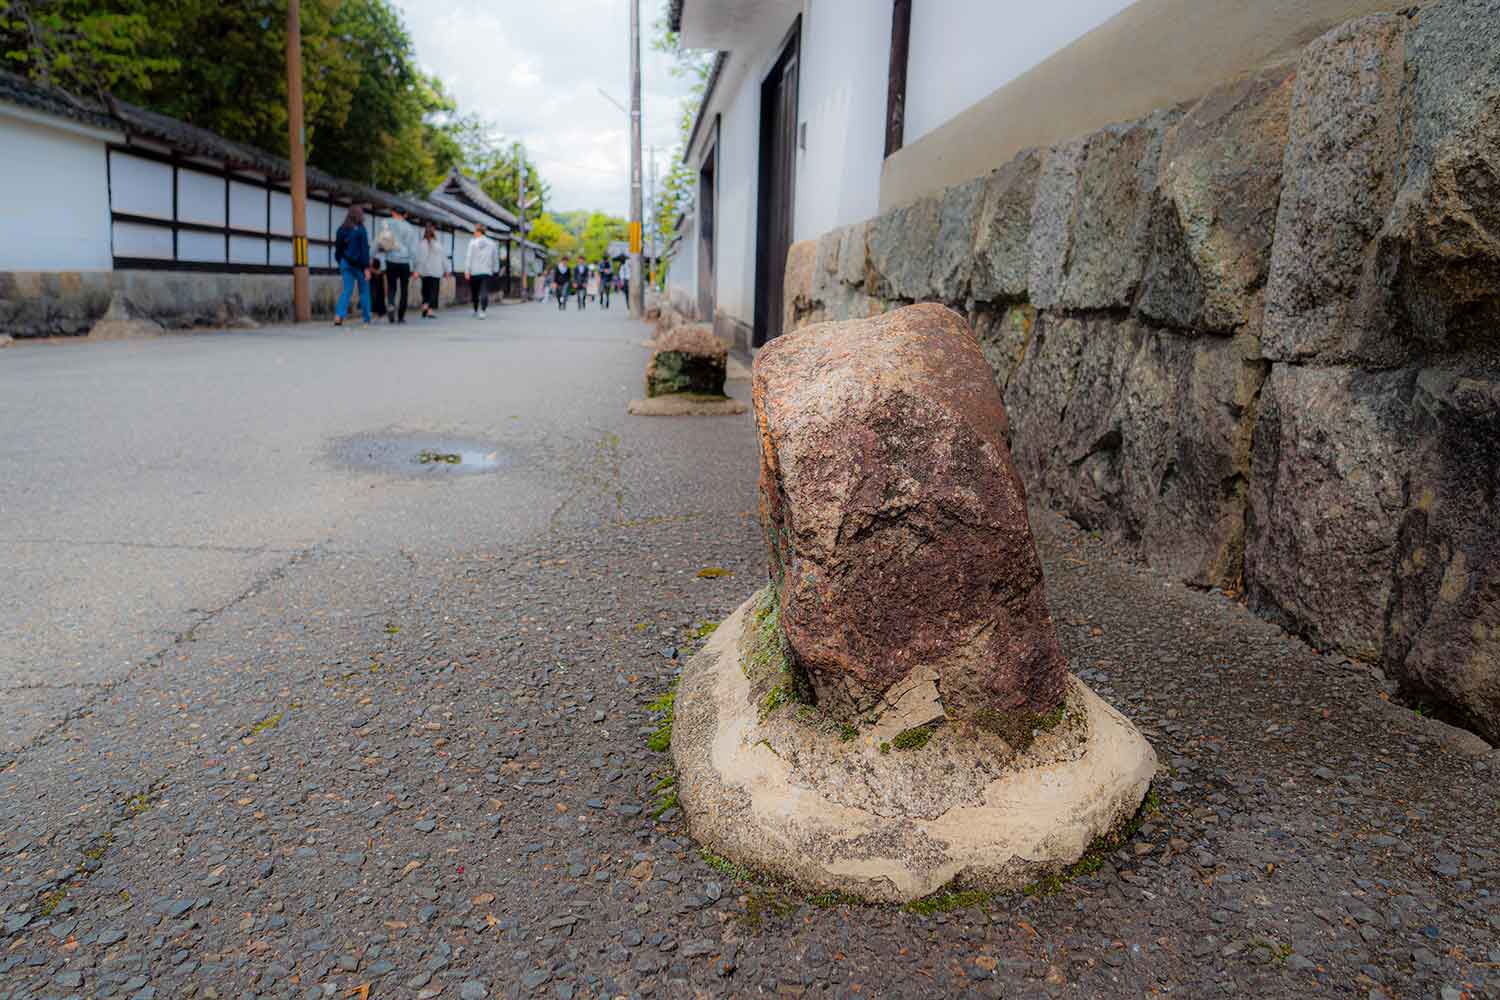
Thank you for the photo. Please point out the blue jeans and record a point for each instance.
(353, 276)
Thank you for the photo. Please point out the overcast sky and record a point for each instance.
(534, 70)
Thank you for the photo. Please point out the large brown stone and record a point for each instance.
(1326, 502)
(1443, 632)
(895, 520)
(1215, 207)
(1324, 296)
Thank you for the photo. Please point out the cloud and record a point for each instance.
(536, 72)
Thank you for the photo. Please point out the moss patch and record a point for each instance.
(912, 739)
(51, 901)
(426, 457)
(714, 572)
(769, 659)
(661, 739)
(1020, 729)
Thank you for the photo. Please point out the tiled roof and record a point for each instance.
(460, 185)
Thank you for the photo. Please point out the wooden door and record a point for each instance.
(778, 173)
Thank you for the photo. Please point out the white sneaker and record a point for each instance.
(484, 314)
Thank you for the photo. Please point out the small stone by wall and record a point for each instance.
(68, 303)
(1257, 336)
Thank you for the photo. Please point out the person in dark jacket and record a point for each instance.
(562, 277)
(581, 282)
(606, 280)
(351, 249)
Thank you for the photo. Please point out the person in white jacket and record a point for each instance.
(432, 265)
(483, 261)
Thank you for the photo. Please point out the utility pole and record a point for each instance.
(655, 217)
(637, 286)
(301, 285)
(521, 208)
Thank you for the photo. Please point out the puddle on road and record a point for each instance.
(421, 456)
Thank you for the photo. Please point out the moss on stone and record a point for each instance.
(661, 739)
(1020, 729)
(912, 739)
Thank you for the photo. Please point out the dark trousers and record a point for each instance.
(479, 291)
(377, 293)
(604, 294)
(397, 276)
(430, 288)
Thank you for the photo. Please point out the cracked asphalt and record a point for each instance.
(285, 712)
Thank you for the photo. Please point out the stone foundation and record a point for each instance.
(783, 793)
(68, 303)
(1256, 336)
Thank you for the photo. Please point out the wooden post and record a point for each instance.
(301, 283)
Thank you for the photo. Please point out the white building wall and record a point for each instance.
(964, 50)
(54, 200)
(846, 52)
(739, 165)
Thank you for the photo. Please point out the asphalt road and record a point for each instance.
(287, 713)
(148, 484)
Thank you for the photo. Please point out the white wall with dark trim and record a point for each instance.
(54, 199)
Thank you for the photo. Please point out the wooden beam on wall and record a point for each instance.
(895, 98)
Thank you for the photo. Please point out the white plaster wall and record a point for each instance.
(963, 50)
(54, 200)
(738, 179)
(846, 52)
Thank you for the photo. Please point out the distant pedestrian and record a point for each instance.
(606, 280)
(400, 250)
(432, 266)
(594, 283)
(351, 251)
(483, 260)
(581, 282)
(562, 275)
(625, 281)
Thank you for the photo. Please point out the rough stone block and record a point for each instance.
(1142, 434)
(1108, 247)
(1326, 502)
(1004, 230)
(1441, 242)
(1003, 335)
(687, 359)
(1443, 637)
(900, 247)
(1052, 217)
(953, 253)
(1325, 298)
(1214, 210)
(800, 307)
(895, 521)
(854, 254)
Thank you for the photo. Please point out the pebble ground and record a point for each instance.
(422, 771)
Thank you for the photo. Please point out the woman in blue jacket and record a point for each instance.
(351, 248)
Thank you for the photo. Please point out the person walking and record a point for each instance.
(594, 284)
(561, 276)
(625, 281)
(483, 260)
(400, 251)
(351, 251)
(606, 280)
(581, 282)
(432, 267)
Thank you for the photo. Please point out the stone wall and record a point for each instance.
(1256, 336)
(69, 303)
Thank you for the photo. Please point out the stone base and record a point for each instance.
(685, 405)
(792, 796)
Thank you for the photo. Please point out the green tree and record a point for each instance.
(598, 232)
(554, 236)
